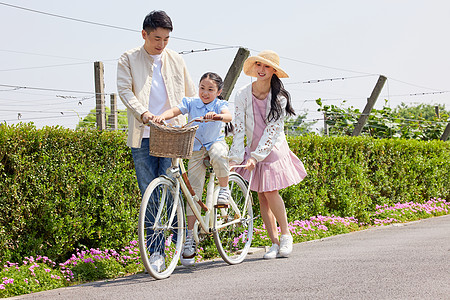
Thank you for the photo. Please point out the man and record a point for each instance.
(150, 80)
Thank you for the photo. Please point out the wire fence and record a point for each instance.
(56, 101)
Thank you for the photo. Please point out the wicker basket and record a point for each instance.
(173, 142)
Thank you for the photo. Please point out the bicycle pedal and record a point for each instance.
(221, 205)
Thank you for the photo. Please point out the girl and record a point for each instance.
(209, 142)
(260, 109)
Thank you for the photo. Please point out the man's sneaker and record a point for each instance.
(157, 262)
(285, 245)
(272, 253)
(222, 199)
(187, 262)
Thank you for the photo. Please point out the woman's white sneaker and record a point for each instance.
(272, 253)
(286, 241)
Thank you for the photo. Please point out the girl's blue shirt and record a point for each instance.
(207, 133)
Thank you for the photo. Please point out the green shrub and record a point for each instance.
(349, 176)
(61, 189)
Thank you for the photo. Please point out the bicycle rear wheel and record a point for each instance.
(234, 225)
(160, 227)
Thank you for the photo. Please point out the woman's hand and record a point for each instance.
(231, 164)
(251, 164)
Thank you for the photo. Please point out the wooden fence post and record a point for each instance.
(369, 106)
(325, 125)
(446, 133)
(436, 111)
(233, 72)
(99, 95)
(112, 118)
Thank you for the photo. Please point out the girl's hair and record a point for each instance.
(276, 110)
(216, 78)
(229, 128)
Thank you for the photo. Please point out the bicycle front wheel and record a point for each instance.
(234, 225)
(160, 228)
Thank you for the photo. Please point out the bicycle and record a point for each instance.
(161, 215)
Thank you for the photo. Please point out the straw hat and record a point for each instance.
(267, 57)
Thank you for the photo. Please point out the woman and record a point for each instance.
(260, 109)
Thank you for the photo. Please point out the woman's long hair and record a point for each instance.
(276, 110)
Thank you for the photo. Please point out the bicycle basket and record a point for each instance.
(172, 142)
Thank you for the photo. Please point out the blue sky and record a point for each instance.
(407, 41)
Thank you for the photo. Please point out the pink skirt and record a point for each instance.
(279, 170)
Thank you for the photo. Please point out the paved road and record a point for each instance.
(409, 261)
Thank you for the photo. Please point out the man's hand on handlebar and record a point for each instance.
(146, 117)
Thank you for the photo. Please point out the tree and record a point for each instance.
(90, 121)
(425, 111)
(298, 125)
(401, 122)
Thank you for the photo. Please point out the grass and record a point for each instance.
(40, 273)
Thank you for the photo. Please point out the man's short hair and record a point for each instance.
(155, 19)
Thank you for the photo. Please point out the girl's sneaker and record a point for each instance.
(189, 251)
(222, 199)
(273, 252)
(285, 245)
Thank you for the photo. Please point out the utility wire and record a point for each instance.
(99, 24)
(42, 67)
(47, 89)
(184, 52)
(205, 50)
(356, 115)
(190, 40)
(174, 37)
(412, 84)
(46, 55)
(330, 79)
(327, 67)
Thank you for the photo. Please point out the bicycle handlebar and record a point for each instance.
(203, 120)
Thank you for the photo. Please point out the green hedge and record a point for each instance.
(61, 189)
(349, 176)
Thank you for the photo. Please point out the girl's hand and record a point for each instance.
(158, 119)
(251, 164)
(210, 115)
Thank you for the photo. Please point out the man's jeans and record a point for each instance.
(148, 168)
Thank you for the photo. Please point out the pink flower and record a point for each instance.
(322, 227)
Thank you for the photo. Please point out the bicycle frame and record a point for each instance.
(207, 222)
